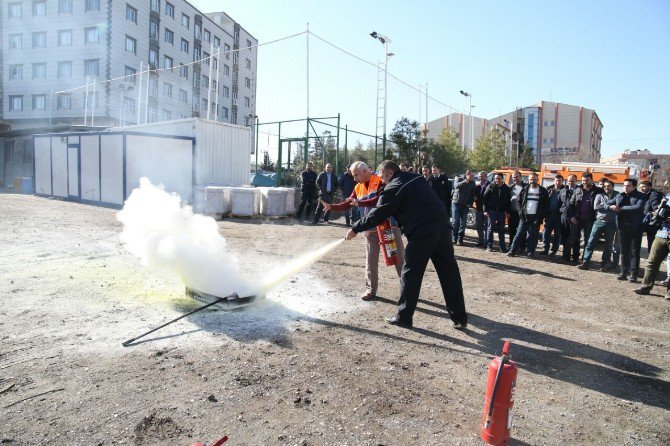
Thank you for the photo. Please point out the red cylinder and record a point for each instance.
(499, 400)
(387, 243)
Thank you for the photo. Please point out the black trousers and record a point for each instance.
(431, 242)
(651, 235)
(630, 242)
(308, 198)
(328, 198)
(575, 238)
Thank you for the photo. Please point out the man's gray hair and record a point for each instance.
(359, 165)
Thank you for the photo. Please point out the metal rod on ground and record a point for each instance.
(219, 300)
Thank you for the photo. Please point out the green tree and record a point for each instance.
(489, 152)
(526, 157)
(451, 158)
(405, 138)
(267, 165)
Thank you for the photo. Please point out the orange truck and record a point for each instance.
(615, 172)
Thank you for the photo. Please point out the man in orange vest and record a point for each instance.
(365, 195)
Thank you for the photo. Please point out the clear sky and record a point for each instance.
(608, 55)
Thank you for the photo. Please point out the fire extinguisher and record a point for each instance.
(497, 422)
(387, 243)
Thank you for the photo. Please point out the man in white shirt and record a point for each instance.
(532, 206)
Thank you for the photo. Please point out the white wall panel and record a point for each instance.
(111, 180)
(43, 165)
(166, 161)
(73, 171)
(90, 168)
(59, 166)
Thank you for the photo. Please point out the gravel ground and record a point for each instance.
(312, 364)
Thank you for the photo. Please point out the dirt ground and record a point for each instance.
(312, 364)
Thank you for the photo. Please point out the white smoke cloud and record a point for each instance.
(167, 236)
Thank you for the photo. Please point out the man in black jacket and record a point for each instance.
(532, 206)
(629, 207)
(442, 186)
(581, 212)
(654, 198)
(496, 205)
(480, 219)
(461, 200)
(552, 222)
(422, 218)
(308, 190)
(570, 251)
(326, 183)
(515, 188)
(347, 184)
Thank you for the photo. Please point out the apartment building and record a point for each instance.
(54, 48)
(461, 124)
(556, 132)
(655, 164)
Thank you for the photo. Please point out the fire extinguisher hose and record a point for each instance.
(503, 361)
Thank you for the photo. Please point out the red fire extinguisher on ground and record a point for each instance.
(387, 243)
(497, 422)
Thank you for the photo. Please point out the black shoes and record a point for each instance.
(394, 320)
(583, 265)
(633, 279)
(643, 290)
(459, 325)
(622, 276)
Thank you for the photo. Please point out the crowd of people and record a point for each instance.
(569, 214)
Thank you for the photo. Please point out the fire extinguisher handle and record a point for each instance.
(505, 350)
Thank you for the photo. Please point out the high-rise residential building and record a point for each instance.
(657, 165)
(556, 132)
(53, 48)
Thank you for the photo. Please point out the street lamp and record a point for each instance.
(469, 96)
(508, 124)
(387, 55)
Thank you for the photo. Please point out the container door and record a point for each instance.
(73, 163)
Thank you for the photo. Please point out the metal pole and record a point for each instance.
(256, 144)
(307, 143)
(279, 156)
(307, 78)
(337, 146)
(139, 94)
(93, 106)
(209, 82)
(386, 75)
(122, 106)
(86, 103)
(146, 99)
(471, 132)
(346, 136)
(218, 81)
(288, 158)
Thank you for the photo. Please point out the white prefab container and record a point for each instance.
(273, 201)
(217, 200)
(199, 199)
(290, 200)
(222, 150)
(245, 201)
(104, 167)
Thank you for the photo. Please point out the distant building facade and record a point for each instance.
(56, 45)
(656, 164)
(556, 132)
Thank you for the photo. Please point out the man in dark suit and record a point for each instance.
(629, 206)
(442, 186)
(422, 218)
